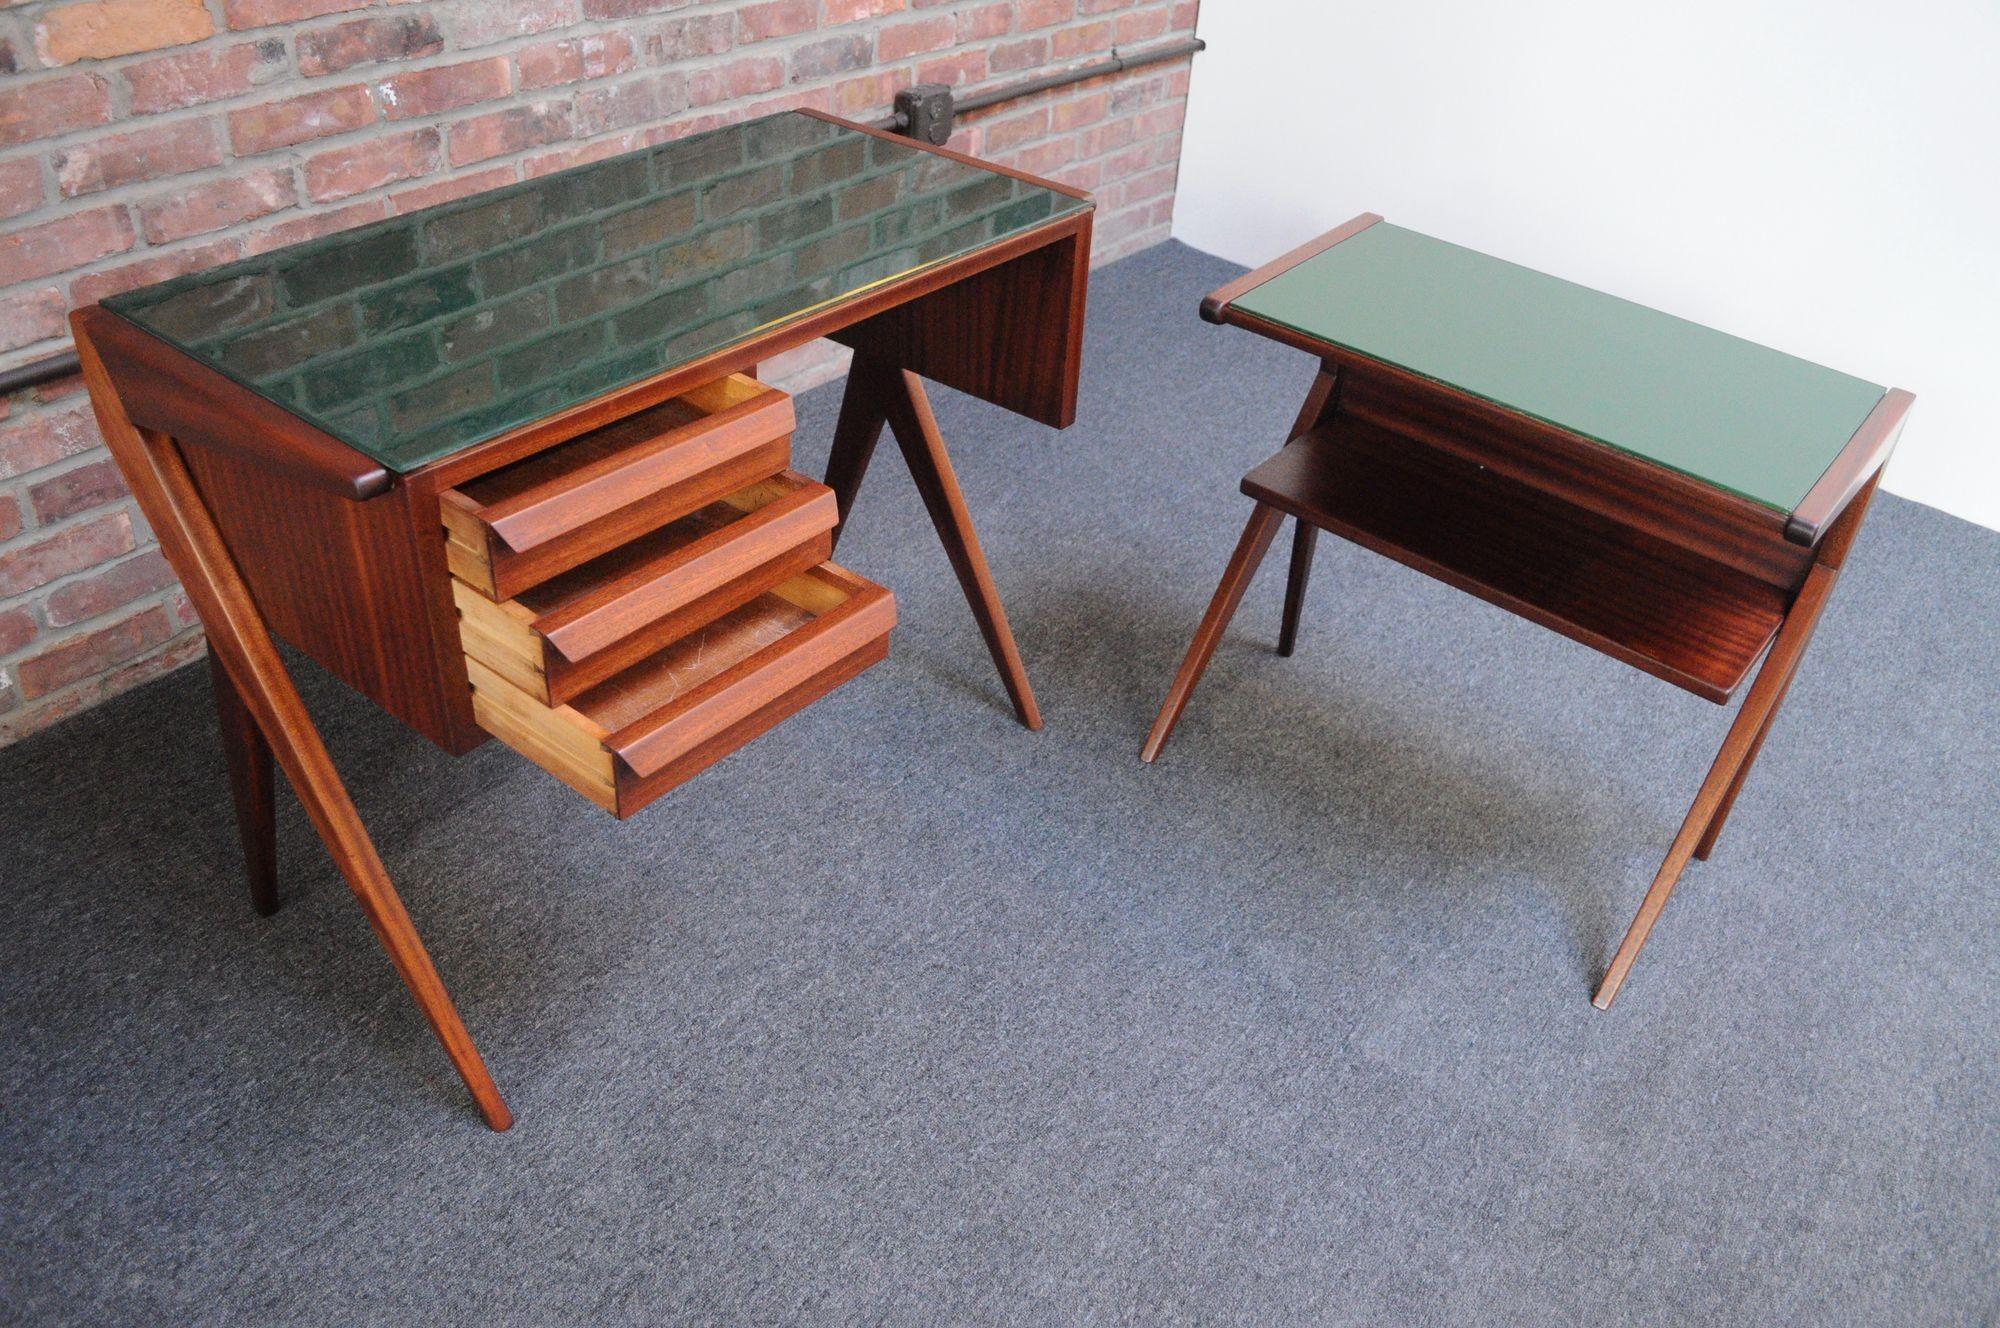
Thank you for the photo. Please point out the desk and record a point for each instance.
(1676, 498)
(504, 466)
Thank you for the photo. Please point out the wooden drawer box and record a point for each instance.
(519, 526)
(671, 715)
(577, 629)
(635, 604)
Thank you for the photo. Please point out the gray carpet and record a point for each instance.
(905, 1015)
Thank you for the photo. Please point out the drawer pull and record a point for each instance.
(578, 628)
(522, 524)
(648, 745)
(594, 490)
(775, 518)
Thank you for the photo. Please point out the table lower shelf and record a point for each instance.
(1697, 624)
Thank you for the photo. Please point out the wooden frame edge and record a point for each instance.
(1858, 461)
(1218, 300)
(181, 395)
(150, 461)
(1677, 481)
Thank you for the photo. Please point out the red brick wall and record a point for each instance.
(140, 139)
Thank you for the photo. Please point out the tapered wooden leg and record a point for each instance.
(1304, 540)
(1738, 746)
(855, 435)
(158, 477)
(1706, 845)
(899, 394)
(251, 784)
(1250, 549)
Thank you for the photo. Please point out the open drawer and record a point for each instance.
(574, 630)
(673, 714)
(521, 525)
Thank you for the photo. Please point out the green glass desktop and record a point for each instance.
(412, 338)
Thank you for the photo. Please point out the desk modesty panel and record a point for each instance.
(1743, 418)
(412, 338)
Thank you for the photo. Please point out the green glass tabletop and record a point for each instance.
(412, 338)
(1736, 415)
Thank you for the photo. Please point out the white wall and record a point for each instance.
(1823, 178)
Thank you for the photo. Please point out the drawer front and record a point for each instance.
(577, 629)
(523, 524)
(659, 721)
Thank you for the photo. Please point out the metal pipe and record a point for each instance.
(1111, 64)
(37, 372)
(1114, 64)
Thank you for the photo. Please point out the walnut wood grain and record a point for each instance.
(865, 613)
(263, 518)
(737, 358)
(879, 392)
(650, 727)
(1738, 747)
(1639, 561)
(251, 785)
(1832, 553)
(1858, 460)
(1305, 539)
(670, 776)
(1321, 399)
(1011, 335)
(1320, 403)
(1662, 502)
(1242, 566)
(503, 573)
(856, 431)
(575, 630)
(367, 592)
(344, 581)
(568, 487)
(767, 525)
(1697, 625)
(515, 527)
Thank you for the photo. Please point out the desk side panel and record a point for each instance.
(345, 582)
(1011, 335)
(171, 391)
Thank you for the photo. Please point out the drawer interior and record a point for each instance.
(636, 735)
